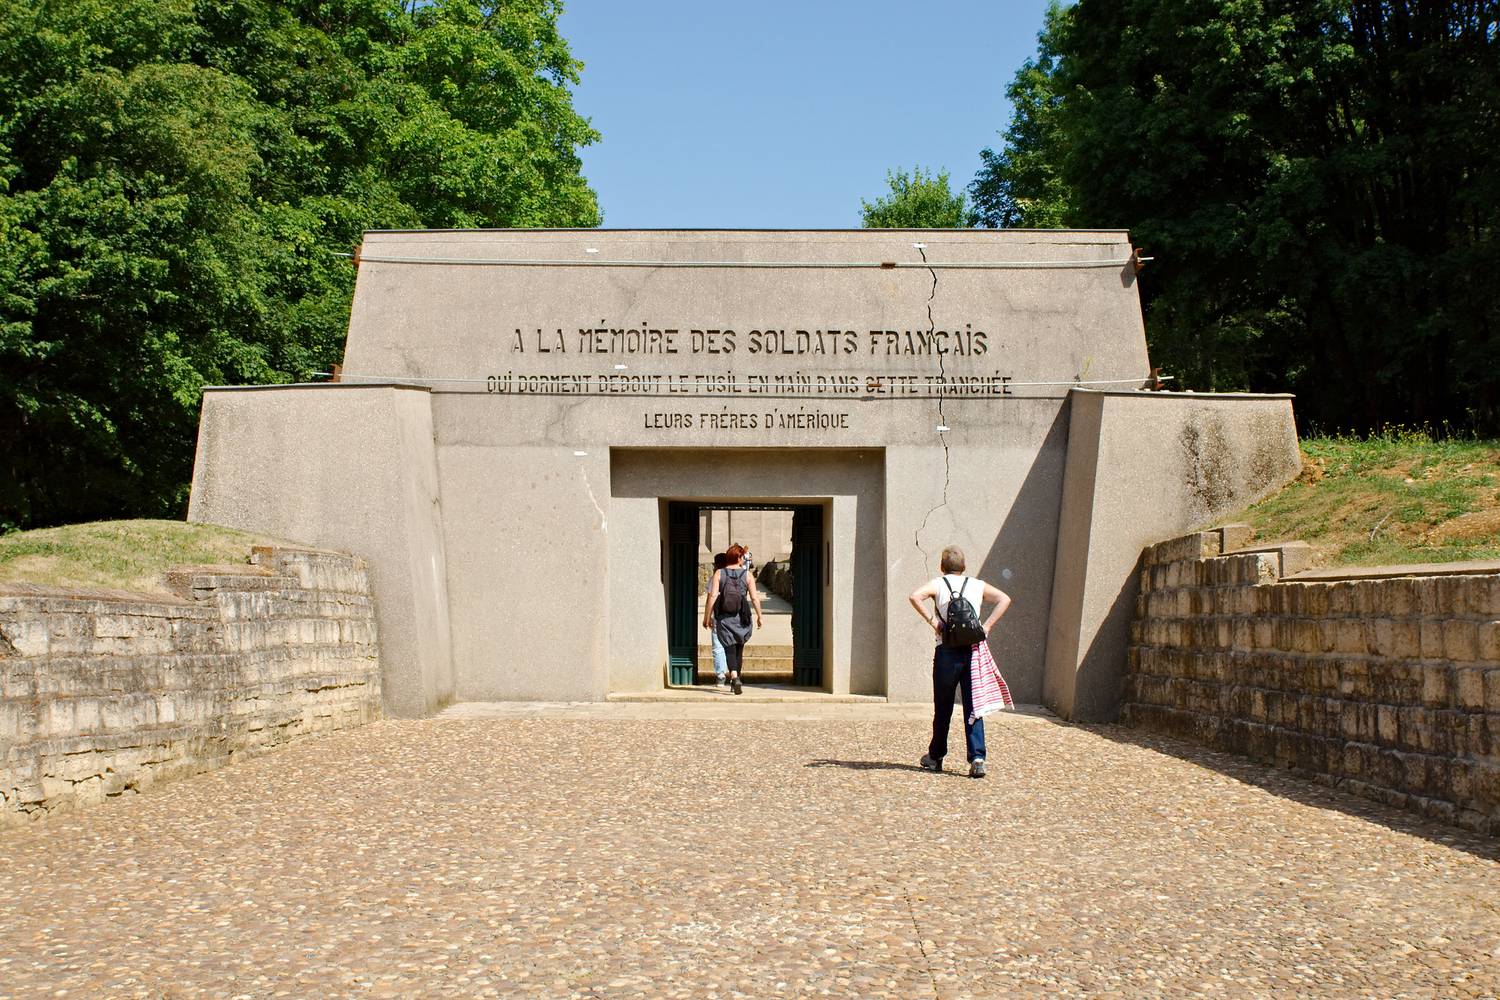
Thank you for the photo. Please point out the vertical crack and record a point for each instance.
(603, 521)
(942, 416)
(911, 911)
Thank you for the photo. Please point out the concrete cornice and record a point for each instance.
(874, 233)
(318, 385)
(1169, 394)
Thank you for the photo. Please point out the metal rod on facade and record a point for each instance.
(928, 379)
(835, 265)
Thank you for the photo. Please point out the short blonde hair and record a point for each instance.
(953, 560)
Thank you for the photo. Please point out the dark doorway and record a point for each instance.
(807, 614)
(800, 575)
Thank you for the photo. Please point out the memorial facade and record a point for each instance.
(531, 421)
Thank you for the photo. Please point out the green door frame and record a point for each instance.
(808, 579)
(682, 592)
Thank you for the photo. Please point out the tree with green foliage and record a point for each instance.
(1319, 183)
(176, 174)
(918, 200)
(1022, 184)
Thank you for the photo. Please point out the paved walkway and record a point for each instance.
(620, 852)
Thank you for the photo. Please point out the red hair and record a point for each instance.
(735, 553)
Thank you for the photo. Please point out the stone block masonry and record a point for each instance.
(1384, 683)
(106, 692)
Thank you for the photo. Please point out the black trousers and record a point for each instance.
(950, 672)
(734, 655)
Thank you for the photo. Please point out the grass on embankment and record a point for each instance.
(119, 555)
(1393, 498)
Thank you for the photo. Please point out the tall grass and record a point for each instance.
(1401, 495)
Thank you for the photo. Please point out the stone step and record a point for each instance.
(779, 665)
(753, 651)
(755, 694)
(706, 676)
(763, 664)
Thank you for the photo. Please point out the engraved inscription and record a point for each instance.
(644, 340)
(796, 384)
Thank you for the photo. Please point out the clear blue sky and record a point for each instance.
(784, 115)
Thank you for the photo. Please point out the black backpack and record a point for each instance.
(962, 627)
(732, 592)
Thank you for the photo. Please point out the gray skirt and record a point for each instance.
(734, 630)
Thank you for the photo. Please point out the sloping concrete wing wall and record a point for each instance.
(344, 467)
(1142, 467)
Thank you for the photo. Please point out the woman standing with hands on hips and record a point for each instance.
(957, 600)
(731, 595)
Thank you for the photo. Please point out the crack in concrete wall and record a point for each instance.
(942, 415)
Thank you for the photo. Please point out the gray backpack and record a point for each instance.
(732, 591)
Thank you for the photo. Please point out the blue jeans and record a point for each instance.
(950, 670)
(721, 666)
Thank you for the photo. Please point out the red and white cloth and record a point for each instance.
(991, 694)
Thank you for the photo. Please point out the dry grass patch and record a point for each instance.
(119, 555)
(1393, 498)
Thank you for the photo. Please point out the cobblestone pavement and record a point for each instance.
(619, 855)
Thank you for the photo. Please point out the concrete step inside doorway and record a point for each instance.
(754, 693)
(764, 664)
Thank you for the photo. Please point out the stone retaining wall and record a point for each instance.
(1386, 685)
(104, 692)
(776, 577)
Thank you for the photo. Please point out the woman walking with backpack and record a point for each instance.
(731, 596)
(721, 666)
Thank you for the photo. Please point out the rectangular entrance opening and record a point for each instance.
(656, 498)
(789, 558)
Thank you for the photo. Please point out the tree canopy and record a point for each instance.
(1318, 180)
(174, 175)
(918, 200)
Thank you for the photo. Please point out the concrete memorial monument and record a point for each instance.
(531, 421)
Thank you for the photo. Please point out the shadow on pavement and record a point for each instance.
(865, 765)
(1299, 787)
